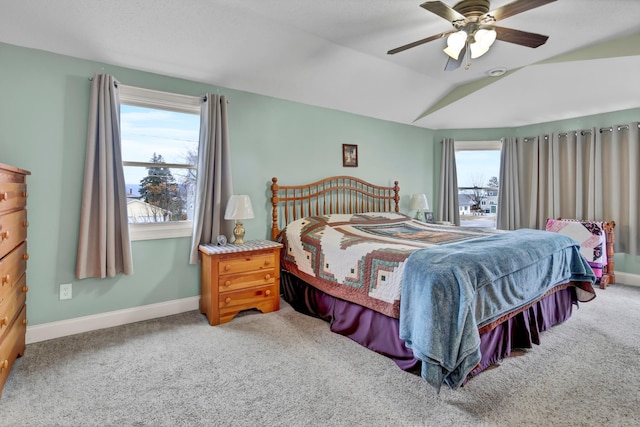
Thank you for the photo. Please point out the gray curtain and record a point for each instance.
(104, 248)
(213, 183)
(617, 182)
(449, 206)
(590, 174)
(509, 215)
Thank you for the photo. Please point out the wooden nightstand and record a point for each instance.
(234, 278)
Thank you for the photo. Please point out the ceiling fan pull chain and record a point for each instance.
(468, 56)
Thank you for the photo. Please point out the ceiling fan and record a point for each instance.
(475, 29)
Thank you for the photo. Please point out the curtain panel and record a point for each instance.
(449, 206)
(104, 247)
(213, 183)
(590, 174)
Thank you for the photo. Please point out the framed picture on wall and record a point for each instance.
(349, 155)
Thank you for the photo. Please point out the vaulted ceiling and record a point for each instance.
(333, 54)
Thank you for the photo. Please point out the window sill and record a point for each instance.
(160, 231)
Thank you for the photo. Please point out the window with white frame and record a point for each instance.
(478, 167)
(159, 132)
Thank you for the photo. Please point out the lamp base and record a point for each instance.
(238, 233)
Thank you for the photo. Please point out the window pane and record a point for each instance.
(160, 194)
(478, 172)
(148, 131)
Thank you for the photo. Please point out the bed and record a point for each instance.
(425, 295)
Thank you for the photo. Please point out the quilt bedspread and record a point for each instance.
(361, 257)
(448, 293)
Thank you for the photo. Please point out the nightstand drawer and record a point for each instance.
(247, 297)
(246, 280)
(249, 262)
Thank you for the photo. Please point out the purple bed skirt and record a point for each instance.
(379, 332)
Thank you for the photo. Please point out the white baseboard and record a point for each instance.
(48, 331)
(628, 278)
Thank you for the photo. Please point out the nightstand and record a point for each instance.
(234, 278)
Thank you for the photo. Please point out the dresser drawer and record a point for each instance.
(13, 230)
(13, 195)
(239, 263)
(13, 266)
(12, 345)
(11, 301)
(246, 280)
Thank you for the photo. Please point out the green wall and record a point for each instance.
(43, 116)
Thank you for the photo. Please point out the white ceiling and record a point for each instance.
(332, 53)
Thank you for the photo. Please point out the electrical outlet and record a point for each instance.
(65, 291)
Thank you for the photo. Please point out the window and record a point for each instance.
(159, 133)
(478, 166)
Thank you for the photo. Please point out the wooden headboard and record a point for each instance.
(336, 194)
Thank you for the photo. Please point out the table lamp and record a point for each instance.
(239, 208)
(419, 203)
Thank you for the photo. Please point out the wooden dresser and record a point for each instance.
(13, 266)
(239, 277)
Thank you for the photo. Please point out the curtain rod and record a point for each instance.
(585, 131)
(204, 97)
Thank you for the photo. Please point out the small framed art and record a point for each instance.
(349, 155)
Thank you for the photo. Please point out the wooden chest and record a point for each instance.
(239, 277)
(13, 267)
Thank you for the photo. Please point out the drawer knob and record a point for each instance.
(227, 300)
(267, 261)
(6, 278)
(227, 283)
(227, 267)
(267, 293)
(24, 194)
(5, 235)
(24, 321)
(25, 223)
(4, 321)
(267, 276)
(4, 196)
(25, 288)
(5, 364)
(25, 256)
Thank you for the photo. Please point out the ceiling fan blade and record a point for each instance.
(442, 10)
(454, 64)
(522, 38)
(419, 42)
(516, 7)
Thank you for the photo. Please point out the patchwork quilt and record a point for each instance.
(361, 257)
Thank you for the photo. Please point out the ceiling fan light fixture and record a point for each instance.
(483, 41)
(455, 43)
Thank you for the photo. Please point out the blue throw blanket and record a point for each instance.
(449, 291)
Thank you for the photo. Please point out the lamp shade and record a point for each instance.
(419, 202)
(483, 41)
(455, 43)
(239, 207)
